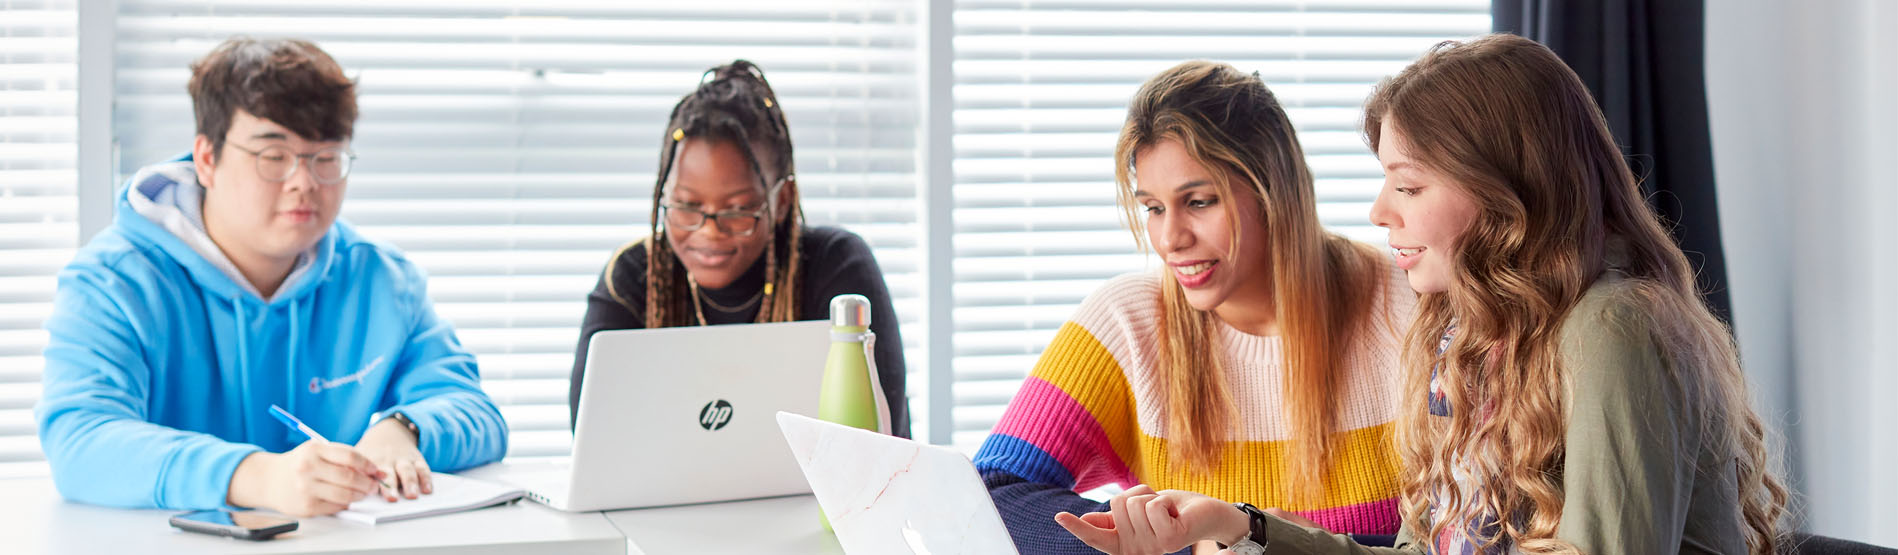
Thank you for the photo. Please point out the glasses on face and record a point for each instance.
(689, 217)
(276, 163)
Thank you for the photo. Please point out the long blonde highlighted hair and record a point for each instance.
(1232, 125)
(1507, 121)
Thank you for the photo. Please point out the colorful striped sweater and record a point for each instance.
(1091, 414)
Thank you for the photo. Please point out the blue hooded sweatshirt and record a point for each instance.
(163, 361)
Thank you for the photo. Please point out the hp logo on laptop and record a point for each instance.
(715, 415)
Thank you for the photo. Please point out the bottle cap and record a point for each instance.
(850, 310)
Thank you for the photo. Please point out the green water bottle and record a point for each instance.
(851, 394)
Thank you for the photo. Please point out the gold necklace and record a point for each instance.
(700, 299)
(744, 306)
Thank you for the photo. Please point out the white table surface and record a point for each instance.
(775, 525)
(35, 519)
(758, 526)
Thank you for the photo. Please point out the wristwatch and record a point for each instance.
(1254, 542)
(403, 419)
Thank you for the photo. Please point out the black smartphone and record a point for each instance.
(244, 525)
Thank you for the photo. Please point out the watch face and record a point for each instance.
(1247, 547)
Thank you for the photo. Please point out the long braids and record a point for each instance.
(733, 103)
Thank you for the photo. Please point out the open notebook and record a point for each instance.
(452, 494)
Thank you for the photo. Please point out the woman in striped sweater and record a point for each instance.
(1259, 367)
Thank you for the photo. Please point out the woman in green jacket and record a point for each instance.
(1567, 390)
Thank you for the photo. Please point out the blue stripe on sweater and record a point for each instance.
(1023, 459)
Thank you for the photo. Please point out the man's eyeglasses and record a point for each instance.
(276, 163)
(689, 217)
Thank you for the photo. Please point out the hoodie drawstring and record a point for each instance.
(242, 330)
(290, 381)
(243, 356)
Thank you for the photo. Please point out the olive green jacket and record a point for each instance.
(1637, 477)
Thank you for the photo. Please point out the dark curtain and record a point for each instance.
(1644, 62)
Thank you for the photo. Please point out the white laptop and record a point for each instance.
(672, 416)
(889, 495)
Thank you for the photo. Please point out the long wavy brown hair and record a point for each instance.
(1504, 119)
(1231, 124)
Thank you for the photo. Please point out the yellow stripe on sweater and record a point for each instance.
(1364, 469)
(1077, 363)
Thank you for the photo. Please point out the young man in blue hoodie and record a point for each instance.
(226, 285)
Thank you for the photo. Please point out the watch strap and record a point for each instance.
(1254, 541)
(403, 419)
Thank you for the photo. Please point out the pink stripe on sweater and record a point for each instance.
(1070, 434)
(1375, 517)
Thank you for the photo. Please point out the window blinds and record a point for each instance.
(39, 226)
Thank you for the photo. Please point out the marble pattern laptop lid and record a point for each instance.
(889, 495)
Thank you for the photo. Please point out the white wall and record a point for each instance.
(1805, 137)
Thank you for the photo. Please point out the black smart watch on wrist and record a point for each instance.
(1254, 541)
(403, 419)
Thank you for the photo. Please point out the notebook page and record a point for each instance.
(451, 494)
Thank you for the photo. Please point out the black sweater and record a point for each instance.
(835, 262)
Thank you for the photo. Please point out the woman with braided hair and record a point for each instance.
(729, 244)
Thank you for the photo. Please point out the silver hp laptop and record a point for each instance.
(684, 415)
(885, 494)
